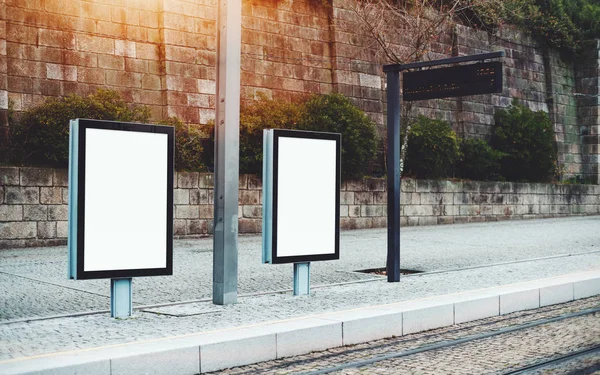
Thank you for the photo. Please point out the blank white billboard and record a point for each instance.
(123, 200)
(301, 196)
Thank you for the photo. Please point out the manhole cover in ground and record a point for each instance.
(382, 271)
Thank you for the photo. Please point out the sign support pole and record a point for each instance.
(393, 176)
(121, 305)
(393, 72)
(227, 141)
(302, 279)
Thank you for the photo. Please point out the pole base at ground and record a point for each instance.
(302, 279)
(121, 305)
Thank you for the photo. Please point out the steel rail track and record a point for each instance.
(451, 343)
(555, 361)
(405, 340)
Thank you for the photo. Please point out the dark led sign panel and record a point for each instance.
(474, 79)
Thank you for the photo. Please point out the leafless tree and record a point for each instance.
(402, 31)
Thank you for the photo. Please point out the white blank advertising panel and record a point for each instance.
(121, 215)
(301, 198)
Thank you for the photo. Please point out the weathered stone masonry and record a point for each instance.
(33, 204)
(161, 53)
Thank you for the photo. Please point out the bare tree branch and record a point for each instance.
(403, 31)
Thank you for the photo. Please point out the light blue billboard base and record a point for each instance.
(302, 279)
(121, 305)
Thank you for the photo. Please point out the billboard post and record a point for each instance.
(302, 279)
(121, 298)
(301, 200)
(120, 204)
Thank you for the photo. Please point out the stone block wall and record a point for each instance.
(162, 53)
(540, 78)
(588, 114)
(56, 48)
(428, 202)
(34, 209)
(286, 49)
(159, 53)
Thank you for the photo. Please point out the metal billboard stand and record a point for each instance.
(393, 72)
(121, 305)
(302, 279)
(290, 232)
(100, 244)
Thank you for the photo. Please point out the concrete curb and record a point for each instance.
(216, 350)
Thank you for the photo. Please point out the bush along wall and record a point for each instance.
(479, 161)
(526, 139)
(522, 149)
(39, 136)
(326, 113)
(522, 145)
(433, 149)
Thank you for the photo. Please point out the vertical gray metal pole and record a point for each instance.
(121, 305)
(227, 145)
(393, 176)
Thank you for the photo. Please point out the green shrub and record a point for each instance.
(40, 135)
(188, 146)
(561, 24)
(527, 140)
(478, 161)
(565, 24)
(432, 149)
(325, 113)
(334, 113)
(208, 145)
(255, 116)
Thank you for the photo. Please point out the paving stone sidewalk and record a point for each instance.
(33, 282)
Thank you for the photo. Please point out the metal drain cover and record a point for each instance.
(382, 271)
(188, 309)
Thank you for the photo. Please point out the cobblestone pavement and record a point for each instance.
(494, 355)
(48, 336)
(425, 248)
(33, 282)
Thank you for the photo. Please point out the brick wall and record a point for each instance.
(286, 49)
(54, 48)
(34, 209)
(162, 53)
(540, 78)
(588, 114)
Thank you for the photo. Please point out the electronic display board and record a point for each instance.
(474, 79)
